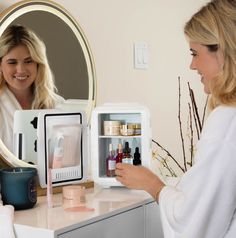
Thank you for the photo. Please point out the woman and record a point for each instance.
(26, 80)
(203, 203)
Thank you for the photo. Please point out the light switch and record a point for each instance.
(140, 55)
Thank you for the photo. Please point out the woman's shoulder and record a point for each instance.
(222, 114)
(220, 121)
(8, 100)
(59, 99)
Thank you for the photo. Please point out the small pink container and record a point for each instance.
(73, 196)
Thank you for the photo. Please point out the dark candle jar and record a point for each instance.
(18, 187)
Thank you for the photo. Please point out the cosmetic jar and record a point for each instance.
(127, 130)
(18, 187)
(111, 128)
(73, 196)
(137, 129)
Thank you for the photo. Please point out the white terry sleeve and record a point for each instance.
(203, 204)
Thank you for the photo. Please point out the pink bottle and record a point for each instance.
(120, 154)
(57, 158)
(111, 163)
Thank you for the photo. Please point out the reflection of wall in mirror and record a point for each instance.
(65, 54)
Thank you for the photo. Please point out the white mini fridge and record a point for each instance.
(82, 146)
(114, 126)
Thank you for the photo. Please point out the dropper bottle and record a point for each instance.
(127, 159)
(137, 160)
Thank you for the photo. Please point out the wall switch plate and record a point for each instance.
(140, 55)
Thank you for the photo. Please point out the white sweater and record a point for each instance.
(203, 204)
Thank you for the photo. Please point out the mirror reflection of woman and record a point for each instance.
(26, 80)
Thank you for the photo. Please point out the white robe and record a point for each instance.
(203, 204)
(8, 106)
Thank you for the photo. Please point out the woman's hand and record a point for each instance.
(139, 177)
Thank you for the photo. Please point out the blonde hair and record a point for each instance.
(43, 86)
(214, 26)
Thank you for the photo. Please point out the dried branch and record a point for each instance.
(163, 161)
(196, 124)
(195, 108)
(180, 127)
(191, 135)
(194, 111)
(168, 154)
(204, 111)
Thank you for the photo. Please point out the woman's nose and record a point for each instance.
(20, 68)
(192, 66)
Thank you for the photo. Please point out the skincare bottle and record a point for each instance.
(58, 152)
(120, 155)
(127, 159)
(57, 158)
(111, 163)
(137, 160)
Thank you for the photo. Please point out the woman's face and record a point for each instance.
(208, 64)
(18, 69)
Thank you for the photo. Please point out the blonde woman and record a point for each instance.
(26, 80)
(203, 204)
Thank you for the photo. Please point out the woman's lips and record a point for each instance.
(21, 78)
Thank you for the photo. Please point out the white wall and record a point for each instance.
(112, 27)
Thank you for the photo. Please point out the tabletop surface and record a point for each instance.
(104, 202)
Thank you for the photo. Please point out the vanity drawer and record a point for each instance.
(127, 224)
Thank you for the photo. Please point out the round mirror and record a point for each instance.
(68, 53)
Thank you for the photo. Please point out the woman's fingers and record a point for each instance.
(121, 172)
(128, 174)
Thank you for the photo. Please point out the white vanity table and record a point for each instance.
(119, 212)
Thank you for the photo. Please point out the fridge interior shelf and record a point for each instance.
(101, 139)
(121, 137)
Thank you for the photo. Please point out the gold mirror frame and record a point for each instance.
(29, 6)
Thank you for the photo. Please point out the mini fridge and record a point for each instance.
(65, 142)
(114, 128)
